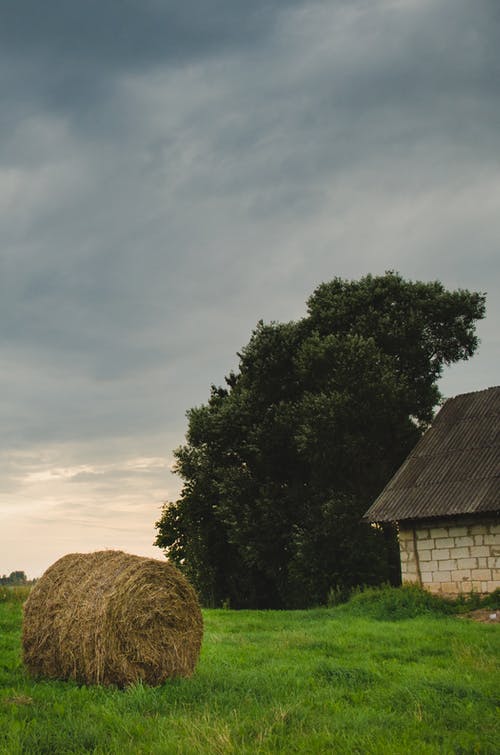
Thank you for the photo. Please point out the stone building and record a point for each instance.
(445, 499)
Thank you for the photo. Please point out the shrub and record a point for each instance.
(17, 594)
(392, 603)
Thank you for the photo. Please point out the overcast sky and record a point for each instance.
(172, 171)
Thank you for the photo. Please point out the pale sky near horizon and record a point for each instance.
(170, 173)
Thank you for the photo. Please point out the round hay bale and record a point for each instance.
(112, 618)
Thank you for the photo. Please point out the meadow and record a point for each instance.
(372, 676)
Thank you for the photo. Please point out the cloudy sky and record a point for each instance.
(172, 171)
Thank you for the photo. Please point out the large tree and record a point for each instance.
(281, 463)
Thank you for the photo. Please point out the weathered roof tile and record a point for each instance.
(453, 469)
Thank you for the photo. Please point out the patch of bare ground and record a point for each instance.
(483, 615)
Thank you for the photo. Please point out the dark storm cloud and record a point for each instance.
(69, 51)
(66, 57)
(172, 172)
(129, 33)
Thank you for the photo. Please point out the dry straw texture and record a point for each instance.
(112, 618)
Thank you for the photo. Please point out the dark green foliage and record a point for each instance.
(469, 602)
(421, 326)
(391, 604)
(388, 603)
(14, 578)
(281, 464)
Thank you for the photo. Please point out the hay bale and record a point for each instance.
(112, 618)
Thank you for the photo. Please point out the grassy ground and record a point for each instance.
(334, 680)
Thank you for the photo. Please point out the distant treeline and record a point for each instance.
(15, 578)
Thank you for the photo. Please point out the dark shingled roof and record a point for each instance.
(453, 469)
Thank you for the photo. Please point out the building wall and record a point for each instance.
(451, 557)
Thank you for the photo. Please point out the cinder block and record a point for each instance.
(495, 575)
(466, 563)
(495, 529)
(425, 556)
(485, 574)
(461, 575)
(445, 542)
(492, 539)
(493, 585)
(482, 563)
(450, 563)
(459, 552)
(422, 534)
(407, 548)
(441, 554)
(425, 545)
(476, 586)
(441, 576)
(450, 588)
(477, 529)
(493, 562)
(405, 536)
(478, 539)
(427, 577)
(457, 531)
(434, 587)
(439, 532)
(426, 566)
(462, 541)
(479, 550)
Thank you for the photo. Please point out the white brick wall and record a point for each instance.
(451, 558)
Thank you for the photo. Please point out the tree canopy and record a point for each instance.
(281, 463)
(14, 578)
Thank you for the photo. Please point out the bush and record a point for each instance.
(392, 603)
(473, 600)
(17, 594)
(337, 596)
(388, 603)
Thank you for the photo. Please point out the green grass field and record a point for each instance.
(333, 680)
